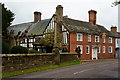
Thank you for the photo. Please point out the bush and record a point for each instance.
(19, 50)
(5, 47)
(56, 51)
(34, 51)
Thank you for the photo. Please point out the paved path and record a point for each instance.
(97, 69)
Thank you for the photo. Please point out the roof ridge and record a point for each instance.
(22, 23)
(76, 20)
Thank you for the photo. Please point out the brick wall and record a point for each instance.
(85, 42)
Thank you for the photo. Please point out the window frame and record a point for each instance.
(96, 39)
(88, 49)
(110, 39)
(89, 38)
(103, 40)
(103, 49)
(81, 37)
(99, 49)
(110, 47)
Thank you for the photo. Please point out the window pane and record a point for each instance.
(87, 50)
(89, 38)
(103, 49)
(98, 50)
(110, 49)
(96, 38)
(110, 39)
(79, 37)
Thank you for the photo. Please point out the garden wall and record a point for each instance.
(13, 62)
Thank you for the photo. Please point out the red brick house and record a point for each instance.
(94, 40)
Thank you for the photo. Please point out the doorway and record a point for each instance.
(94, 53)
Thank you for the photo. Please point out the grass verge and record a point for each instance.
(20, 72)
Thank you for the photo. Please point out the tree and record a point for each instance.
(49, 39)
(7, 18)
(115, 3)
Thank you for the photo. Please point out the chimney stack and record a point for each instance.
(59, 13)
(58, 28)
(92, 16)
(37, 16)
(113, 29)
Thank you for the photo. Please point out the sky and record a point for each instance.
(76, 9)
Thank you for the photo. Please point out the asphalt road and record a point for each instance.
(100, 69)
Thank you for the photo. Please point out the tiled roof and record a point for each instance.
(32, 28)
(19, 27)
(77, 26)
(73, 26)
(39, 27)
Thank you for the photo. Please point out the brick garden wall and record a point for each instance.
(23, 61)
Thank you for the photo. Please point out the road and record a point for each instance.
(100, 69)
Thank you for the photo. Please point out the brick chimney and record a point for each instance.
(92, 16)
(37, 16)
(113, 29)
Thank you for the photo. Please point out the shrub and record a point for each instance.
(56, 51)
(34, 51)
(5, 47)
(19, 50)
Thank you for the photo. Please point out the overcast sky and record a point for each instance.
(76, 9)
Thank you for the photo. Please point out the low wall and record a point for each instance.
(14, 62)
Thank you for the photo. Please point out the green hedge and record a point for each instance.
(19, 50)
(34, 51)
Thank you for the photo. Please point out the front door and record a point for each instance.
(94, 53)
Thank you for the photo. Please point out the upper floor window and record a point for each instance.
(30, 40)
(103, 49)
(89, 38)
(110, 49)
(96, 38)
(103, 40)
(87, 49)
(65, 37)
(23, 40)
(79, 37)
(110, 39)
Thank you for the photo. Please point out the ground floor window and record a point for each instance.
(98, 49)
(81, 48)
(87, 49)
(110, 49)
(103, 49)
